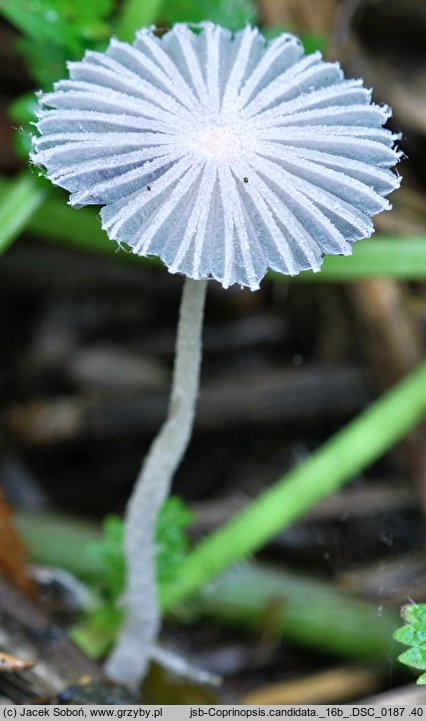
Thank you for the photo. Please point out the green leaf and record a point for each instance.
(411, 636)
(380, 257)
(59, 21)
(22, 112)
(46, 60)
(108, 556)
(23, 108)
(172, 541)
(55, 31)
(135, 14)
(19, 201)
(415, 614)
(172, 546)
(314, 41)
(40, 20)
(415, 657)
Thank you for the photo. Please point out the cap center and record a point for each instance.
(218, 142)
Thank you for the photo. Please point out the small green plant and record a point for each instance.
(413, 634)
(97, 631)
(51, 33)
(54, 31)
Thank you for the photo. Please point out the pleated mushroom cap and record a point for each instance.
(221, 153)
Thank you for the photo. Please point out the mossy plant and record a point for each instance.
(413, 634)
(97, 630)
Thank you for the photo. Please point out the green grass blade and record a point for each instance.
(345, 455)
(398, 258)
(19, 201)
(308, 611)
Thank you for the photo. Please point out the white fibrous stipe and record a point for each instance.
(219, 152)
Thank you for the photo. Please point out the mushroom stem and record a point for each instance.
(129, 659)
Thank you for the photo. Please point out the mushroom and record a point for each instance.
(225, 155)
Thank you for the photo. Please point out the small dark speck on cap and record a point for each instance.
(245, 180)
(148, 187)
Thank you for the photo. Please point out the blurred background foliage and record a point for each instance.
(87, 345)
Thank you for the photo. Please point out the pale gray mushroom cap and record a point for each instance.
(221, 153)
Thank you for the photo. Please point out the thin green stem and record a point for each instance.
(351, 450)
(310, 612)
